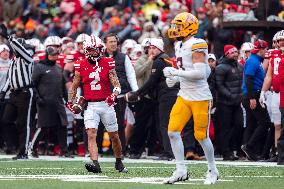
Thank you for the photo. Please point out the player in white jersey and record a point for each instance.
(194, 98)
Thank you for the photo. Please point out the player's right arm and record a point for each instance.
(74, 86)
(268, 78)
(200, 68)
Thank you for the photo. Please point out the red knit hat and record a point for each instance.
(229, 49)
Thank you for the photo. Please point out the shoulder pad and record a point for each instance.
(199, 44)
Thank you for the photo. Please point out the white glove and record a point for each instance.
(170, 72)
(262, 99)
(170, 82)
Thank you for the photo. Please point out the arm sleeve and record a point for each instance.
(24, 53)
(220, 75)
(36, 75)
(249, 84)
(157, 73)
(130, 74)
(198, 72)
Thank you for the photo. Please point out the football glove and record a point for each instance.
(131, 97)
(78, 106)
(69, 105)
(262, 99)
(171, 81)
(110, 100)
(170, 72)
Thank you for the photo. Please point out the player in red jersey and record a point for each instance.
(272, 80)
(97, 74)
(280, 145)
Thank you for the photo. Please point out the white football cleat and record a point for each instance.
(211, 177)
(178, 175)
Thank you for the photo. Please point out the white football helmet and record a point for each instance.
(279, 37)
(94, 48)
(52, 41)
(81, 38)
(137, 52)
(128, 46)
(247, 46)
(37, 44)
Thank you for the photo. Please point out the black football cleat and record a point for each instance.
(120, 167)
(93, 167)
(20, 156)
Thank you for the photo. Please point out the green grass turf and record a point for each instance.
(256, 177)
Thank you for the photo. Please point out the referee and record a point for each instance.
(20, 106)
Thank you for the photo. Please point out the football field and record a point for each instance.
(62, 173)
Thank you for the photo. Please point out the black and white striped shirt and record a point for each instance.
(20, 71)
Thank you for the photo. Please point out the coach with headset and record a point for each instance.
(127, 79)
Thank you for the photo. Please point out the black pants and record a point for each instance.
(21, 110)
(144, 126)
(229, 128)
(120, 112)
(166, 103)
(258, 123)
(52, 135)
(9, 137)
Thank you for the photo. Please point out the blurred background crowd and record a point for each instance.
(133, 22)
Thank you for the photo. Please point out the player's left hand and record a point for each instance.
(170, 72)
(110, 100)
(69, 105)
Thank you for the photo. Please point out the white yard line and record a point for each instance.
(150, 161)
(104, 179)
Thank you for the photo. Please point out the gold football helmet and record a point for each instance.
(183, 25)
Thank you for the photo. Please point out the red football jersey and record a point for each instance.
(39, 56)
(77, 55)
(95, 78)
(274, 61)
(61, 60)
(281, 76)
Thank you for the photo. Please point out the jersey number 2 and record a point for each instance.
(94, 84)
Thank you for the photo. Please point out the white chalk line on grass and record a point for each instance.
(102, 179)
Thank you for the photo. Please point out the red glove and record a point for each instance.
(69, 105)
(110, 100)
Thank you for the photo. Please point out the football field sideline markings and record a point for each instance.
(149, 161)
(102, 179)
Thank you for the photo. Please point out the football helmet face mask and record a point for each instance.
(94, 48)
(183, 25)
